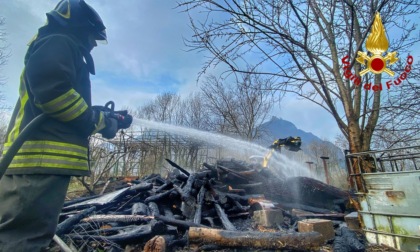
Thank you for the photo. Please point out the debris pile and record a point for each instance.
(226, 205)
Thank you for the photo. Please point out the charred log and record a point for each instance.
(178, 167)
(210, 220)
(235, 174)
(140, 209)
(186, 190)
(178, 223)
(166, 186)
(237, 208)
(181, 177)
(158, 197)
(223, 217)
(154, 209)
(141, 187)
(168, 212)
(241, 199)
(210, 167)
(203, 174)
(65, 226)
(209, 212)
(154, 178)
(188, 202)
(254, 239)
(200, 200)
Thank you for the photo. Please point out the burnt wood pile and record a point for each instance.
(210, 209)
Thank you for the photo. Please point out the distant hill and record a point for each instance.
(279, 128)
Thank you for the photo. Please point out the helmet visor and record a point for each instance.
(101, 38)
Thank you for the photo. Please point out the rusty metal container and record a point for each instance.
(389, 195)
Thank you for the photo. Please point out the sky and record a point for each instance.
(145, 56)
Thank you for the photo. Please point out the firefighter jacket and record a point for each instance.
(55, 81)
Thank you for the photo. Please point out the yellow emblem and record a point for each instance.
(63, 9)
(377, 44)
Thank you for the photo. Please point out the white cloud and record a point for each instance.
(103, 91)
(145, 38)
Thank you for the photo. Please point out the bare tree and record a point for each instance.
(194, 112)
(4, 55)
(399, 125)
(112, 158)
(302, 46)
(239, 108)
(3, 130)
(170, 108)
(324, 148)
(341, 142)
(102, 158)
(161, 109)
(3, 46)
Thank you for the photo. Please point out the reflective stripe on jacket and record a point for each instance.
(49, 154)
(55, 81)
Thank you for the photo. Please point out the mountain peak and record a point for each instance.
(277, 128)
(276, 123)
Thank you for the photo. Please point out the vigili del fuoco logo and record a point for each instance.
(377, 45)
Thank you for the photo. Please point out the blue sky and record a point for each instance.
(145, 56)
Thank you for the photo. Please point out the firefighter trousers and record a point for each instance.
(29, 209)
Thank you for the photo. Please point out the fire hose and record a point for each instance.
(14, 148)
(123, 118)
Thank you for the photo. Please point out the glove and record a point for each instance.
(111, 127)
(111, 120)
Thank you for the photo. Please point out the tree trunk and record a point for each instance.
(355, 146)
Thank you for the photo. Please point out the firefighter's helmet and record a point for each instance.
(77, 14)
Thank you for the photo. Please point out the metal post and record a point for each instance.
(327, 176)
(309, 164)
(350, 172)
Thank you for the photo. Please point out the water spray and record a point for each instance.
(281, 163)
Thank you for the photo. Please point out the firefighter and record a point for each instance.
(55, 81)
